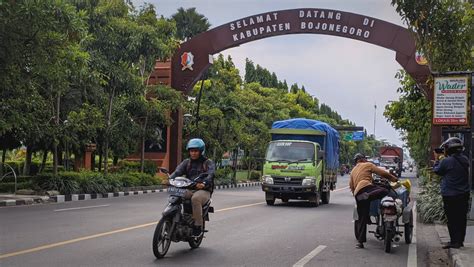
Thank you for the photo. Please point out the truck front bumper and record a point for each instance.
(289, 191)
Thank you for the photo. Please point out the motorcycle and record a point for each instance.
(176, 223)
(387, 213)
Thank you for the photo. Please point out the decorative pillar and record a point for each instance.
(87, 159)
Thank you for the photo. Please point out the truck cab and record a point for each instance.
(296, 164)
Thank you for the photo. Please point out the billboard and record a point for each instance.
(450, 105)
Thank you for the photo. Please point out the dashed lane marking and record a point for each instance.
(81, 208)
(309, 256)
(71, 241)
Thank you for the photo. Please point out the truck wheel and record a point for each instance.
(314, 200)
(270, 199)
(325, 197)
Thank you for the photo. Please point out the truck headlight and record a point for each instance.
(267, 179)
(309, 180)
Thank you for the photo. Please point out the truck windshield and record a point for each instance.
(288, 151)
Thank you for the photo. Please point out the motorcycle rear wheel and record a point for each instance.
(162, 238)
(409, 230)
(196, 242)
(388, 237)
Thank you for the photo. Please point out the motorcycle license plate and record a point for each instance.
(180, 192)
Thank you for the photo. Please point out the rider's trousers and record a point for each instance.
(198, 200)
(363, 209)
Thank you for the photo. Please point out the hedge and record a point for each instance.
(10, 187)
(88, 182)
(149, 167)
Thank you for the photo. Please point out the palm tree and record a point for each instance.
(189, 23)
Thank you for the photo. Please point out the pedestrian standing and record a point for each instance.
(453, 167)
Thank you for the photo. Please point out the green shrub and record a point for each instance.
(92, 182)
(149, 167)
(144, 179)
(19, 179)
(114, 182)
(65, 183)
(223, 176)
(10, 187)
(255, 176)
(430, 203)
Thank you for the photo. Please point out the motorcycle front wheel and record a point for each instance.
(162, 238)
(195, 242)
(388, 236)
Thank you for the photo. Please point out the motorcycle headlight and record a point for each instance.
(267, 179)
(309, 180)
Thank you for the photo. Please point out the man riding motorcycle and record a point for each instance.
(197, 166)
(364, 191)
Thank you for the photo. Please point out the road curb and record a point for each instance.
(458, 257)
(80, 197)
(23, 201)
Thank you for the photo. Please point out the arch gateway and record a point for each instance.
(192, 59)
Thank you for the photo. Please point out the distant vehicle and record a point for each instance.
(392, 157)
(302, 161)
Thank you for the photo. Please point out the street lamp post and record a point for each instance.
(375, 116)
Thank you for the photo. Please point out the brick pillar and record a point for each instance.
(87, 159)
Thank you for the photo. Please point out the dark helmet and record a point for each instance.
(196, 143)
(452, 145)
(359, 156)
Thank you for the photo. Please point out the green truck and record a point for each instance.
(301, 162)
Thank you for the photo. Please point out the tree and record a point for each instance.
(43, 52)
(444, 33)
(189, 23)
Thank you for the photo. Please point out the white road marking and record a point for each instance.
(80, 208)
(412, 253)
(308, 257)
(340, 189)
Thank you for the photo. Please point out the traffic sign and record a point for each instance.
(358, 136)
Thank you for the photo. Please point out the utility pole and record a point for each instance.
(375, 116)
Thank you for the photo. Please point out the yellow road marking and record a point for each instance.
(53, 245)
(71, 241)
(74, 240)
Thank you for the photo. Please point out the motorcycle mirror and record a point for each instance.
(163, 170)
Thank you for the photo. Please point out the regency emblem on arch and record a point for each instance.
(187, 61)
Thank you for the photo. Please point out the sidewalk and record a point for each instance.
(463, 256)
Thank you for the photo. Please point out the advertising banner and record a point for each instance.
(450, 105)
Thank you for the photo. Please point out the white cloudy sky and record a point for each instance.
(348, 75)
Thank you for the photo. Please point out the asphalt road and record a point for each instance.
(243, 232)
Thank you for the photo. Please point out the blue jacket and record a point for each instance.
(454, 170)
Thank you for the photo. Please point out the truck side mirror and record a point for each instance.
(320, 154)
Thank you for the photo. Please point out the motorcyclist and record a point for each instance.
(364, 191)
(197, 165)
(453, 166)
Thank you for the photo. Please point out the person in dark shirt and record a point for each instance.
(197, 166)
(453, 167)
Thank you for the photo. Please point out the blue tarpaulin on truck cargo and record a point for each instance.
(330, 144)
